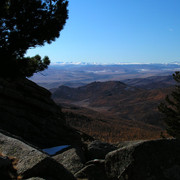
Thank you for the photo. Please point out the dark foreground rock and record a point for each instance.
(31, 162)
(35, 178)
(27, 110)
(7, 171)
(72, 159)
(148, 160)
(93, 170)
(136, 160)
(98, 149)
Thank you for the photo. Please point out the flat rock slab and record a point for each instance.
(148, 160)
(30, 161)
(72, 159)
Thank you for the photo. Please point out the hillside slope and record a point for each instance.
(152, 82)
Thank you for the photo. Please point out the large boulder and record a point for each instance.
(145, 160)
(28, 111)
(31, 162)
(98, 149)
(128, 143)
(72, 159)
(93, 170)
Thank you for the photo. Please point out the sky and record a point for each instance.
(117, 31)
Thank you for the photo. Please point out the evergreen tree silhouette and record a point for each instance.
(171, 109)
(27, 24)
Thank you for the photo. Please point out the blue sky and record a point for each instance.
(114, 31)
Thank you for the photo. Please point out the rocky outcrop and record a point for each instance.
(30, 162)
(76, 160)
(35, 178)
(136, 160)
(72, 159)
(98, 149)
(28, 111)
(93, 170)
(148, 160)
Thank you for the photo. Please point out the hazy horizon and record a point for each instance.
(120, 63)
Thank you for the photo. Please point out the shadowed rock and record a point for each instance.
(98, 149)
(27, 110)
(36, 178)
(148, 160)
(93, 170)
(7, 170)
(72, 159)
(32, 162)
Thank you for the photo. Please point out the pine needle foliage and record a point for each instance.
(27, 24)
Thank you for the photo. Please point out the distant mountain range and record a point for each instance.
(75, 75)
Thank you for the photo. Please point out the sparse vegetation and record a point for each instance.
(108, 128)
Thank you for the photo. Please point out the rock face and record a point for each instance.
(28, 111)
(148, 160)
(93, 170)
(98, 149)
(35, 178)
(72, 159)
(30, 161)
(138, 160)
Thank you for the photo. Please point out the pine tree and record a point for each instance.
(27, 24)
(171, 109)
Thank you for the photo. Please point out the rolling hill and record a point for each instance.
(128, 111)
